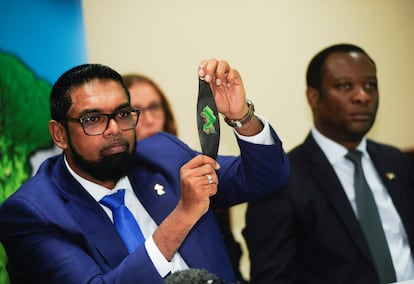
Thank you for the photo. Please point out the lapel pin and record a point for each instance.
(159, 189)
(390, 176)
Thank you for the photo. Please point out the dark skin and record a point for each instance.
(345, 109)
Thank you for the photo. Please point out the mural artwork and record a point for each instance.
(40, 39)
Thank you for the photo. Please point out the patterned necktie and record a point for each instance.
(124, 221)
(371, 222)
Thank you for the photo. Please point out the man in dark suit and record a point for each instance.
(59, 226)
(310, 231)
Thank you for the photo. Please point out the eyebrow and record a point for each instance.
(97, 110)
(150, 104)
(346, 77)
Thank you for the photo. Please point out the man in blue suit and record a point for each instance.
(311, 231)
(57, 229)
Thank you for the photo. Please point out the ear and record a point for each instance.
(312, 95)
(58, 134)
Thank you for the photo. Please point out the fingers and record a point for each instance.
(201, 171)
(210, 179)
(218, 72)
(200, 174)
(204, 175)
(198, 181)
(201, 160)
(226, 85)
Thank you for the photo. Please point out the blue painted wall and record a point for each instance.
(47, 35)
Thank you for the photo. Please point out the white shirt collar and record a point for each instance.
(97, 191)
(334, 151)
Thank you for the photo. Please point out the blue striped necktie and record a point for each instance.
(124, 221)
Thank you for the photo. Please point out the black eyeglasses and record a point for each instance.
(96, 124)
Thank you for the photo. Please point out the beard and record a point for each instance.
(107, 168)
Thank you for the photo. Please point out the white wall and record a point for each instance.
(270, 42)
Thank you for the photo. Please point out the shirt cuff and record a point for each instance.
(264, 137)
(162, 265)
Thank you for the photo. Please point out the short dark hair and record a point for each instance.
(60, 99)
(316, 66)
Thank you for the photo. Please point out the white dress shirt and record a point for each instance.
(145, 221)
(394, 231)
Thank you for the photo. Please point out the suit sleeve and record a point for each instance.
(259, 171)
(40, 252)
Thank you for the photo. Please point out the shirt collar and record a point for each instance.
(334, 151)
(97, 191)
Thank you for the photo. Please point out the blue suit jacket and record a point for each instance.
(55, 232)
(309, 229)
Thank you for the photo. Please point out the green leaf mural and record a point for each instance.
(24, 115)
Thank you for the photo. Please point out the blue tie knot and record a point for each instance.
(114, 201)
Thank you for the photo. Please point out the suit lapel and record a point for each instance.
(92, 219)
(326, 177)
(397, 183)
(387, 170)
(159, 205)
(155, 193)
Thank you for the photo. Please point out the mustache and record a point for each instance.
(116, 142)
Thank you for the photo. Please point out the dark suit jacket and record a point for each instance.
(308, 233)
(55, 232)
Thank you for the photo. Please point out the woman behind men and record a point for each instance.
(157, 115)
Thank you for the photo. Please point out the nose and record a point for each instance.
(362, 95)
(113, 127)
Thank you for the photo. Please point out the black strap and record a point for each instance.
(208, 122)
